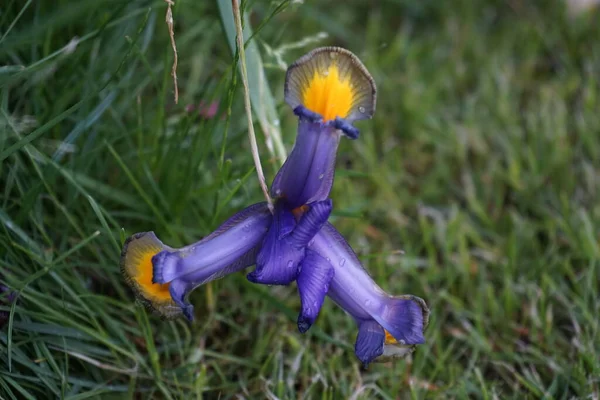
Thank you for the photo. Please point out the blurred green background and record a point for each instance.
(482, 165)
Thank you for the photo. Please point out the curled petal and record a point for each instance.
(313, 284)
(311, 222)
(215, 255)
(369, 341)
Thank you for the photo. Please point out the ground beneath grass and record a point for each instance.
(476, 187)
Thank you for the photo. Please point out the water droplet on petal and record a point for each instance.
(401, 342)
(326, 73)
(321, 176)
(333, 55)
(361, 110)
(328, 259)
(342, 262)
(367, 303)
(290, 264)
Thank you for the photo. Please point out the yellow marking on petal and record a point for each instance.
(389, 339)
(299, 211)
(136, 264)
(328, 94)
(144, 278)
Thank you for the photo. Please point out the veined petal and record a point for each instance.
(369, 341)
(278, 259)
(331, 82)
(313, 284)
(307, 174)
(404, 317)
(215, 255)
(311, 222)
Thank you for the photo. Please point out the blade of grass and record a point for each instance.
(263, 103)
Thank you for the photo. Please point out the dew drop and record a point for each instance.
(342, 262)
(276, 122)
(247, 228)
(328, 259)
(311, 242)
(367, 303)
(326, 73)
(401, 342)
(290, 264)
(361, 109)
(333, 55)
(321, 176)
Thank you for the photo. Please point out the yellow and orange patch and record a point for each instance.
(389, 339)
(328, 94)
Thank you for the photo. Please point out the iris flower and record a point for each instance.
(328, 89)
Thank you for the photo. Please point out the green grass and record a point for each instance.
(481, 164)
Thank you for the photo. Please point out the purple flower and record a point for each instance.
(387, 326)
(328, 89)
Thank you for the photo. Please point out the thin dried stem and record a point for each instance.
(255, 155)
(169, 20)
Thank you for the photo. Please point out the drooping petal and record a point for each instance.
(307, 174)
(369, 341)
(213, 255)
(404, 317)
(278, 259)
(313, 284)
(232, 247)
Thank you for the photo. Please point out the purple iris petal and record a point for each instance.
(180, 288)
(311, 222)
(313, 284)
(284, 246)
(219, 253)
(404, 317)
(307, 174)
(369, 341)
(278, 259)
